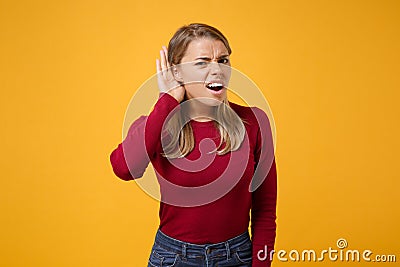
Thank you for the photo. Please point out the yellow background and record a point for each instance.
(329, 69)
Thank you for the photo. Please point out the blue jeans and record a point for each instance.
(169, 252)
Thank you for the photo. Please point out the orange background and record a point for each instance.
(329, 69)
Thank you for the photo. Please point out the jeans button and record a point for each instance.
(208, 251)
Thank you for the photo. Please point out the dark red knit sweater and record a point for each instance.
(207, 198)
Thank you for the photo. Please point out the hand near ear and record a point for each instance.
(166, 80)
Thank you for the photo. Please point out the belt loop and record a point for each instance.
(228, 251)
(184, 251)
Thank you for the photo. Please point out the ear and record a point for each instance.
(177, 74)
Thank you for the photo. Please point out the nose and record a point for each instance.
(215, 68)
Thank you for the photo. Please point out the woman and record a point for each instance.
(214, 159)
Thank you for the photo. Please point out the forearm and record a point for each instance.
(263, 219)
(165, 107)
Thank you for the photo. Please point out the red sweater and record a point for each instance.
(207, 198)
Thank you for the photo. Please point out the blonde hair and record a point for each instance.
(230, 126)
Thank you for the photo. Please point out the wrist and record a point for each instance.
(175, 93)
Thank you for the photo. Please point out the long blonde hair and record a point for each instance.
(230, 126)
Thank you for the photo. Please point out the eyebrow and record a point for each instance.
(208, 59)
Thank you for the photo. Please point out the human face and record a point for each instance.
(205, 71)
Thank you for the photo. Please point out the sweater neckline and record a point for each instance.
(202, 123)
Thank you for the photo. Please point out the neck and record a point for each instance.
(199, 111)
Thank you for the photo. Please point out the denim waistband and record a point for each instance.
(193, 250)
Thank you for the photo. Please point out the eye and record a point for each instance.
(223, 61)
(200, 63)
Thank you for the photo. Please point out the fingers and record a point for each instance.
(163, 61)
(158, 65)
(164, 64)
(166, 55)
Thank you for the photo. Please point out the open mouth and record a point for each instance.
(215, 86)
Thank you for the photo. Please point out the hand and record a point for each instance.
(166, 80)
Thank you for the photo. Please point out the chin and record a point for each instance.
(207, 97)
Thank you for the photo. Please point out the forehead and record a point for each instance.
(205, 47)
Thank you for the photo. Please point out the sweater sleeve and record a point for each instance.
(130, 158)
(264, 195)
